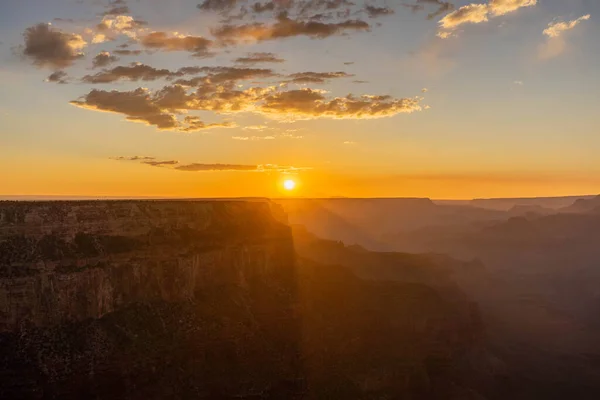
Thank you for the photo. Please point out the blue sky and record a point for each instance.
(496, 105)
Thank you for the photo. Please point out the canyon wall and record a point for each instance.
(208, 299)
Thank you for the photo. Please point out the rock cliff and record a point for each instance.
(207, 299)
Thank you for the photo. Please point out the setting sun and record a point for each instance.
(289, 184)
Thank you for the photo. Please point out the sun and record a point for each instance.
(289, 184)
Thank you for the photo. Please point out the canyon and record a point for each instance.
(213, 299)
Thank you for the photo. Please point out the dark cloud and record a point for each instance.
(118, 10)
(375, 12)
(256, 58)
(217, 5)
(140, 105)
(311, 6)
(143, 72)
(309, 103)
(160, 108)
(316, 77)
(103, 59)
(49, 47)
(133, 72)
(160, 163)
(263, 7)
(57, 77)
(196, 45)
(148, 161)
(224, 76)
(196, 124)
(232, 74)
(127, 52)
(134, 158)
(203, 167)
(443, 7)
(137, 105)
(285, 27)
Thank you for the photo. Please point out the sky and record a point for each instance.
(357, 98)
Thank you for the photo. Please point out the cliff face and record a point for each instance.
(63, 262)
(145, 299)
(182, 299)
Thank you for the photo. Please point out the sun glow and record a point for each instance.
(289, 184)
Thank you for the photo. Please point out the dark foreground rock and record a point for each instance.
(163, 299)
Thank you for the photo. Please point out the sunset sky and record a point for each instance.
(228, 98)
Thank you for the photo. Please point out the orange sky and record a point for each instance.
(495, 99)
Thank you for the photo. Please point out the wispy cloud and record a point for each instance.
(477, 13)
(258, 58)
(555, 43)
(253, 138)
(556, 29)
(209, 167)
(103, 59)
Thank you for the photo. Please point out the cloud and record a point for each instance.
(256, 58)
(160, 163)
(116, 10)
(502, 7)
(114, 25)
(443, 7)
(217, 5)
(197, 167)
(133, 158)
(57, 77)
(196, 124)
(49, 47)
(556, 29)
(208, 167)
(478, 13)
(263, 7)
(310, 103)
(283, 28)
(233, 74)
(253, 138)
(137, 105)
(472, 13)
(140, 105)
(374, 11)
(160, 108)
(196, 45)
(134, 72)
(316, 77)
(127, 52)
(556, 44)
(119, 23)
(137, 71)
(103, 59)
